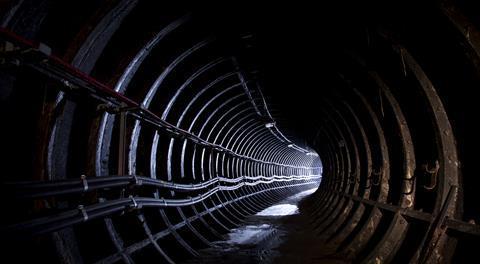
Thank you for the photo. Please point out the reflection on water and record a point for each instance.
(299, 196)
(248, 234)
(279, 210)
(252, 234)
(258, 239)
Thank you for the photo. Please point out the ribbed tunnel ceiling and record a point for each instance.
(140, 132)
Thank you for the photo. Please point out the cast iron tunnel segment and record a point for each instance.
(250, 193)
(134, 133)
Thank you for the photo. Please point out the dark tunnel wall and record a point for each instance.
(137, 132)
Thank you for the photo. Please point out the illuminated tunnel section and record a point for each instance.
(169, 175)
(134, 133)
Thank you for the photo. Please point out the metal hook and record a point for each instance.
(82, 210)
(433, 175)
(412, 187)
(136, 181)
(135, 204)
(378, 173)
(84, 182)
(353, 178)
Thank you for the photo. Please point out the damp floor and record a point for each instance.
(279, 234)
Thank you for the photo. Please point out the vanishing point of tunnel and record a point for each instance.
(137, 131)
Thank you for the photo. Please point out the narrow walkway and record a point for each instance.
(278, 234)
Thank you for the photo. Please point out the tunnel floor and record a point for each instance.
(278, 234)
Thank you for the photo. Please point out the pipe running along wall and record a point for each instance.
(177, 152)
(135, 133)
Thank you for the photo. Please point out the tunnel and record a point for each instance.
(146, 131)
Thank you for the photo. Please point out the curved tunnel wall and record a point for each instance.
(201, 150)
(160, 179)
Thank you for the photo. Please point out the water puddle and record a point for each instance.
(249, 234)
(258, 239)
(253, 234)
(286, 207)
(279, 210)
